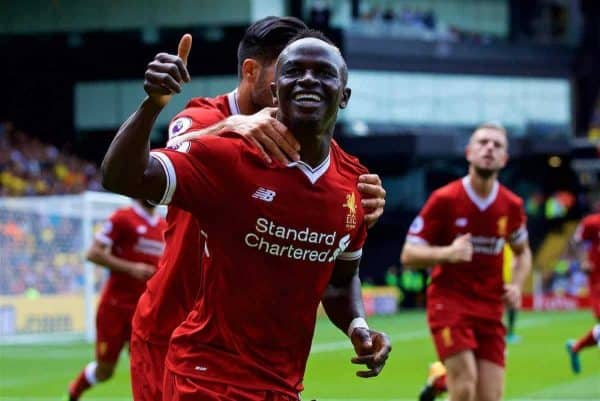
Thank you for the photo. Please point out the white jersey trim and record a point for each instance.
(171, 177)
(413, 239)
(596, 334)
(519, 236)
(481, 203)
(578, 235)
(315, 173)
(105, 240)
(233, 104)
(353, 255)
(150, 218)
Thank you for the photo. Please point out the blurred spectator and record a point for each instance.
(558, 205)
(29, 167)
(41, 254)
(533, 205)
(567, 278)
(411, 23)
(391, 276)
(388, 15)
(412, 285)
(429, 20)
(320, 14)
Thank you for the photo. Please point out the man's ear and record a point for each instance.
(250, 69)
(274, 94)
(345, 98)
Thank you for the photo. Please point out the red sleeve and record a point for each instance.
(517, 225)
(197, 174)
(355, 245)
(426, 228)
(584, 231)
(114, 230)
(193, 119)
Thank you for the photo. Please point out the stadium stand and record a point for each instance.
(30, 167)
(52, 262)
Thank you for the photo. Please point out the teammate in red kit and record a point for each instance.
(129, 245)
(587, 242)
(170, 294)
(278, 236)
(461, 231)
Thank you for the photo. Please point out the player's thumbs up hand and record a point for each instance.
(167, 72)
(461, 249)
(184, 48)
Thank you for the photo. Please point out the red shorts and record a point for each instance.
(180, 388)
(147, 365)
(113, 330)
(454, 333)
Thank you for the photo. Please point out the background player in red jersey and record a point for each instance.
(462, 230)
(254, 345)
(587, 242)
(170, 294)
(129, 245)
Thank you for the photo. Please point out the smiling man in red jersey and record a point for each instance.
(171, 293)
(280, 237)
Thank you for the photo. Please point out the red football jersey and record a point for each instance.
(476, 287)
(135, 235)
(588, 233)
(171, 292)
(274, 233)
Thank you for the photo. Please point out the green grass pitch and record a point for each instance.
(537, 366)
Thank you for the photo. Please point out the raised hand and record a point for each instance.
(372, 349)
(142, 271)
(167, 72)
(461, 249)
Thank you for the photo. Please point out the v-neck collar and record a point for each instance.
(151, 219)
(481, 203)
(313, 173)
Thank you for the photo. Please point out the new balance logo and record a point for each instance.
(264, 194)
(461, 222)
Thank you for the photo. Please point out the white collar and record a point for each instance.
(234, 107)
(482, 203)
(313, 173)
(151, 218)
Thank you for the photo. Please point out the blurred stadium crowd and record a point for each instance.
(29, 166)
(40, 255)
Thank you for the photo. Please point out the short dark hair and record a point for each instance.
(492, 125)
(266, 38)
(311, 33)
